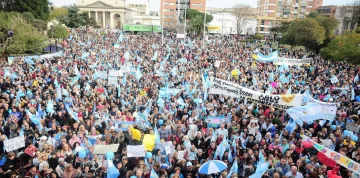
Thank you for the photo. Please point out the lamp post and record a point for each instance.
(279, 37)
(204, 27)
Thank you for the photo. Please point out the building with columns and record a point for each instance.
(115, 13)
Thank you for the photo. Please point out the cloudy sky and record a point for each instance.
(155, 4)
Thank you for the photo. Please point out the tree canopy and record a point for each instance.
(242, 13)
(58, 31)
(305, 32)
(193, 13)
(57, 13)
(26, 38)
(74, 19)
(39, 8)
(344, 47)
(197, 20)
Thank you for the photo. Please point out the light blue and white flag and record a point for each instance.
(307, 113)
(112, 171)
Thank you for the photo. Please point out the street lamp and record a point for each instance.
(279, 37)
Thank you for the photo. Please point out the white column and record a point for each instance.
(96, 17)
(89, 14)
(112, 20)
(104, 24)
(122, 20)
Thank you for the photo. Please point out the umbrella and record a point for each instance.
(212, 166)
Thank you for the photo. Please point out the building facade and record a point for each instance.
(328, 11)
(344, 14)
(173, 11)
(271, 13)
(116, 13)
(224, 22)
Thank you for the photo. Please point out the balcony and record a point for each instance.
(183, 2)
(303, 4)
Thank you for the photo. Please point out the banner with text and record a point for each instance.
(293, 61)
(329, 109)
(337, 157)
(14, 143)
(223, 87)
(135, 151)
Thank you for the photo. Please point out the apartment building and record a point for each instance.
(171, 10)
(271, 13)
(328, 11)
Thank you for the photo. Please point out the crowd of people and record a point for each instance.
(63, 107)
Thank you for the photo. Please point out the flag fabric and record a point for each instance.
(261, 158)
(157, 135)
(112, 171)
(271, 78)
(352, 93)
(356, 79)
(260, 170)
(290, 126)
(234, 169)
(220, 150)
(50, 107)
(307, 113)
(92, 139)
(230, 157)
(72, 113)
(138, 74)
(123, 81)
(288, 92)
(153, 174)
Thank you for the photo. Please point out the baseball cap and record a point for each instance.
(188, 164)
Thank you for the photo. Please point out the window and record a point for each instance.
(261, 29)
(171, 10)
(262, 22)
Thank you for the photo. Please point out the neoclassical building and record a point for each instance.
(116, 13)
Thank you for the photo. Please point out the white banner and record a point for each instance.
(114, 73)
(329, 109)
(352, 127)
(135, 151)
(112, 80)
(222, 87)
(102, 149)
(293, 61)
(14, 143)
(337, 157)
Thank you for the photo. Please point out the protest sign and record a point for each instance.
(329, 109)
(293, 61)
(181, 155)
(135, 151)
(217, 63)
(214, 122)
(113, 73)
(102, 149)
(102, 74)
(122, 125)
(10, 60)
(112, 80)
(116, 45)
(223, 87)
(326, 142)
(337, 157)
(352, 127)
(14, 143)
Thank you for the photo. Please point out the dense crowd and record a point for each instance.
(64, 107)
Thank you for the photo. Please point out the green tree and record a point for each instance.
(193, 13)
(39, 8)
(259, 36)
(58, 12)
(26, 38)
(58, 31)
(345, 47)
(305, 32)
(197, 24)
(282, 28)
(74, 19)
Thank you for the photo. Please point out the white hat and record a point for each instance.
(43, 137)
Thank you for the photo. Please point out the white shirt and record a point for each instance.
(298, 175)
(220, 131)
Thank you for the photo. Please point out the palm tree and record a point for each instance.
(197, 24)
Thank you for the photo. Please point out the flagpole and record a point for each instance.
(162, 23)
(185, 22)
(204, 27)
